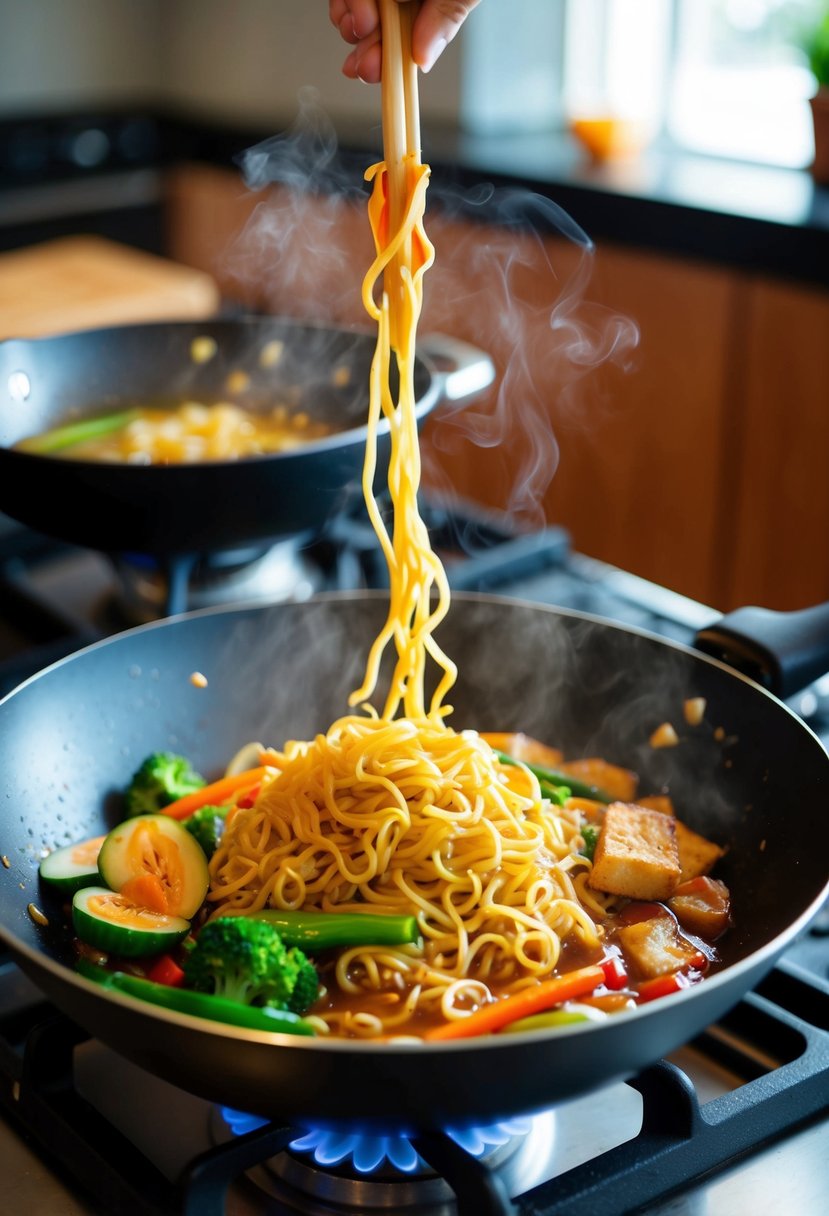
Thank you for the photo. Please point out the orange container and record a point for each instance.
(610, 138)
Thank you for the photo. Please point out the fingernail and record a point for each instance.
(435, 52)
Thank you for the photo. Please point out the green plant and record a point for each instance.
(816, 46)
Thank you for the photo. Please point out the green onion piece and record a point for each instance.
(67, 436)
(322, 930)
(546, 1021)
(556, 793)
(578, 789)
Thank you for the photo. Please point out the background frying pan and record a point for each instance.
(71, 737)
(189, 509)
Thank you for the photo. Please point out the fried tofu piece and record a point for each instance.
(697, 854)
(656, 947)
(658, 802)
(636, 853)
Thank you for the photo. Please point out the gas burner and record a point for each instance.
(350, 1170)
(149, 588)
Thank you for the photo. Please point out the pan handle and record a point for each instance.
(783, 651)
(464, 371)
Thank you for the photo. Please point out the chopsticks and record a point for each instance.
(401, 142)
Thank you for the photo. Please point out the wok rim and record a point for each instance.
(760, 960)
(353, 435)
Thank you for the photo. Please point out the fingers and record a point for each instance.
(358, 22)
(365, 61)
(435, 26)
(355, 19)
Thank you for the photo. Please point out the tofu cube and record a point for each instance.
(636, 853)
(656, 947)
(696, 854)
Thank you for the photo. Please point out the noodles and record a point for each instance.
(396, 812)
(414, 569)
(391, 816)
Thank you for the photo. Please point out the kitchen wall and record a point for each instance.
(71, 54)
(244, 61)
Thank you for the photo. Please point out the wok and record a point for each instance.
(71, 736)
(175, 510)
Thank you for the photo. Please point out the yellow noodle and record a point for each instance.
(396, 812)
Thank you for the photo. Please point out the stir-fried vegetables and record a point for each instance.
(206, 826)
(246, 960)
(216, 793)
(153, 861)
(324, 930)
(551, 780)
(161, 778)
(199, 1004)
(154, 865)
(544, 996)
(61, 437)
(73, 866)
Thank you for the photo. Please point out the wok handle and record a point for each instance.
(463, 370)
(783, 651)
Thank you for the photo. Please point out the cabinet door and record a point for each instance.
(624, 446)
(780, 554)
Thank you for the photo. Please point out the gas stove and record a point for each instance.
(735, 1121)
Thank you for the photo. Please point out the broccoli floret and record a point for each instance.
(589, 834)
(160, 779)
(246, 960)
(207, 825)
(306, 985)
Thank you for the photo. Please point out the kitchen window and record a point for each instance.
(740, 85)
(722, 78)
(719, 77)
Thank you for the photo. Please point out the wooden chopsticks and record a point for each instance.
(401, 139)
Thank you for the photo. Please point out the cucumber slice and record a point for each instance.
(74, 866)
(155, 846)
(106, 920)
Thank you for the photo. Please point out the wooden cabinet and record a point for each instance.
(672, 415)
(778, 548)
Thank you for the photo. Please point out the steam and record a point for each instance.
(512, 275)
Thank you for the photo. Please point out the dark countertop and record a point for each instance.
(755, 218)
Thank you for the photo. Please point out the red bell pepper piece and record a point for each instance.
(165, 970)
(247, 800)
(663, 985)
(615, 975)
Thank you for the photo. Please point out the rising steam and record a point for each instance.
(512, 275)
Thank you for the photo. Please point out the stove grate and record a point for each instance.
(781, 1053)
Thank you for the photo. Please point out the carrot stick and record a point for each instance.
(522, 1004)
(214, 795)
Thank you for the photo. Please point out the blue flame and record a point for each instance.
(369, 1152)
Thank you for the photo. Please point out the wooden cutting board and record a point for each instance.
(85, 282)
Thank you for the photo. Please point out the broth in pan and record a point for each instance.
(189, 432)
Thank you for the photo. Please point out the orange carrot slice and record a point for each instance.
(214, 795)
(522, 1004)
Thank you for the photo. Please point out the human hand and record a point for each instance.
(436, 24)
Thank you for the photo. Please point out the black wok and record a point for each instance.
(71, 737)
(191, 509)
